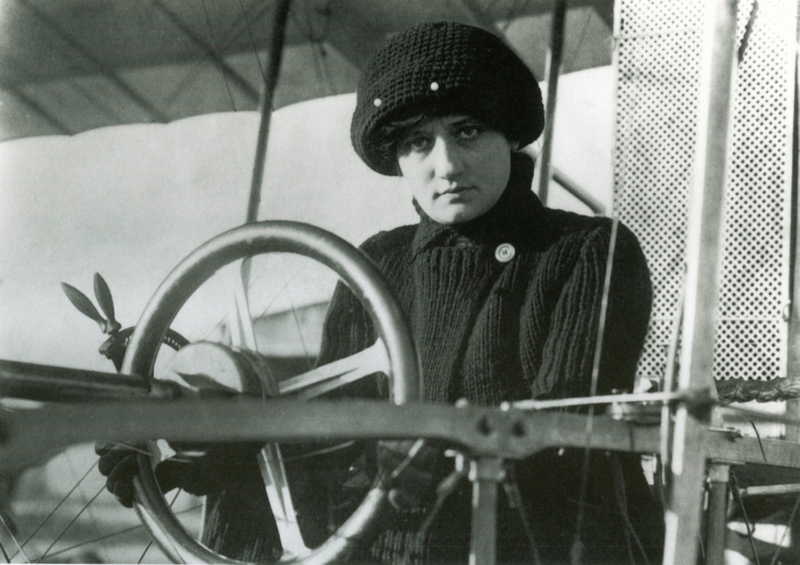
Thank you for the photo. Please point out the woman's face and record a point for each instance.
(456, 167)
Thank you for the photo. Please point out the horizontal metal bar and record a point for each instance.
(578, 192)
(46, 383)
(770, 490)
(698, 395)
(563, 180)
(135, 416)
(25, 434)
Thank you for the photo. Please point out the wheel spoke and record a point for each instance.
(240, 321)
(150, 543)
(16, 542)
(118, 533)
(52, 512)
(335, 375)
(273, 472)
(64, 531)
(299, 327)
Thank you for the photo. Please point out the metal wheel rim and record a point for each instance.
(366, 282)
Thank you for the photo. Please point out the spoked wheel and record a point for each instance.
(397, 358)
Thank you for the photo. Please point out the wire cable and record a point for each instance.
(577, 546)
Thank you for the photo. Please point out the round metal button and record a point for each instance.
(377, 102)
(505, 252)
(434, 86)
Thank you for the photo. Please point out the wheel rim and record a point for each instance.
(367, 284)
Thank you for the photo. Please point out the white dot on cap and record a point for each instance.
(377, 102)
(434, 86)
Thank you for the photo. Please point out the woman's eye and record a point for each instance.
(417, 143)
(468, 132)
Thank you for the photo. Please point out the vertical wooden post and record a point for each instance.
(793, 341)
(718, 476)
(703, 253)
(486, 474)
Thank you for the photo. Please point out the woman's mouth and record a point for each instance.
(455, 190)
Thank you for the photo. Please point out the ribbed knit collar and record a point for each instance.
(511, 220)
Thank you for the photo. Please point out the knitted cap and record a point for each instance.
(444, 68)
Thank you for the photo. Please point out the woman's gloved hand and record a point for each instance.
(196, 469)
(407, 469)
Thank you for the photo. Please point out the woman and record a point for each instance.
(503, 297)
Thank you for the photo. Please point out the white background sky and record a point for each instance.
(131, 201)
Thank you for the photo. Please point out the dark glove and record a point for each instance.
(406, 468)
(198, 470)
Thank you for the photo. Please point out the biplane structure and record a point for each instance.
(697, 106)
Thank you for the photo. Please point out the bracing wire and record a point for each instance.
(213, 46)
(774, 559)
(511, 15)
(760, 445)
(598, 351)
(748, 32)
(318, 38)
(577, 49)
(320, 58)
(622, 501)
(515, 500)
(263, 312)
(738, 496)
(669, 373)
(253, 45)
(224, 41)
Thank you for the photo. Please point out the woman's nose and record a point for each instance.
(447, 161)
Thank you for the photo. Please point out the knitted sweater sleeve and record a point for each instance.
(568, 352)
(348, 329)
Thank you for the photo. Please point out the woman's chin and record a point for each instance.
(455, 214)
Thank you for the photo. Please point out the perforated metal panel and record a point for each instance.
(658, 52)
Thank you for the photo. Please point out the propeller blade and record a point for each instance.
(106, 302)
(83, 304)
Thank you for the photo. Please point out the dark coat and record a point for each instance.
(490, 331)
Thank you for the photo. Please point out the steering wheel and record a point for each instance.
(367, 284)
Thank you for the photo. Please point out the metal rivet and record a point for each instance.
(505, 252)
(377, 102)
(434, 86)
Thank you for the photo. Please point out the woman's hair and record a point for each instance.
(389, 135)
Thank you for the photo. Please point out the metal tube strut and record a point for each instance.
(553, 72)
(266, 107)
